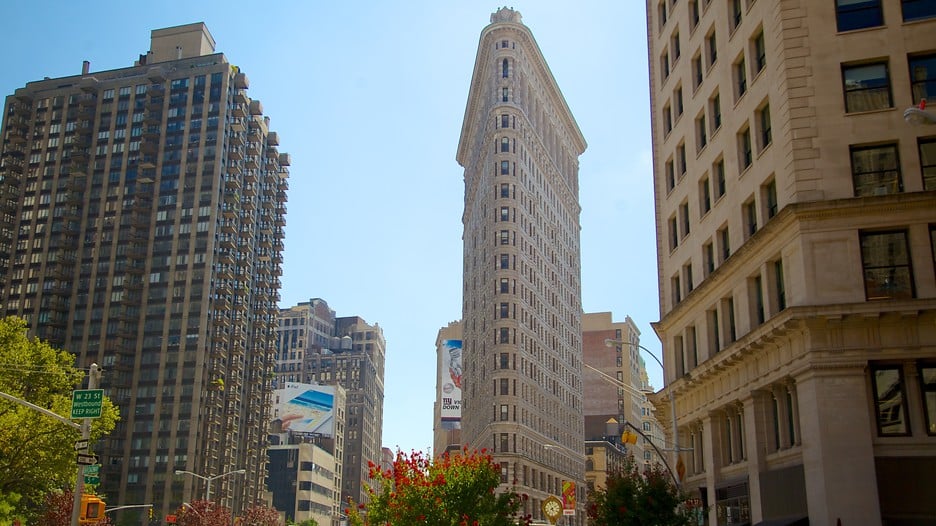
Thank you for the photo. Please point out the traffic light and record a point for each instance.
(92, 509)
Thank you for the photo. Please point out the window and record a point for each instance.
(505, 190)
(711, 48)
(676, 289)
(661, 11)
(885, 258)
(687, 277)
(504, 310)
(719, 170)
(701, 132)
(505, 168)
(504, 261)
(670, 175)
(779, 287)
(858, 14)
(740, 74)
(890, 401)
(505, 94)
(928, 162)
(769, 196)
(696, 72)
(674, 44)
(505, 213)
(763, 125)
(750, 218)
(922, 77)
(684, 219)
(759, 49)
(693, 14)
(504, 237)
(505, 68)
(667, 120)
(503, 335)
(875, 170)
(735, 10)
(681, 159)
(708, 258)
(505, 121)
(757, 300)
(664, 65)
(724, 241)
(705, 196)
(714, 338)
(715, 111)
(928, 390)
(504, 285)
(732, 329)
(673, 234)
(917, 9)
(677, 98)
(505, 145)
(867, 87)
(745, 155)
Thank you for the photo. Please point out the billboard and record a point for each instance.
(304, 408)
(451, 380)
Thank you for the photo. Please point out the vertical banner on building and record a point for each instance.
(451, 381)
(568, 497)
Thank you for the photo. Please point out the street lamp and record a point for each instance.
(610, 342)
(209, 480)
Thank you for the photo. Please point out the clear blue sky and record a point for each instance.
(369, 97)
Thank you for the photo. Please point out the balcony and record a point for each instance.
(273, 139)
(238, 111)
(256, 108)
(241, 81)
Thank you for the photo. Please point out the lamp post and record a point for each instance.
(610, 342)
(210, 479)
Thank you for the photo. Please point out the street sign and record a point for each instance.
(86, 460)
(92, 470)
(81, 445)
(86, 403)
(92, 479)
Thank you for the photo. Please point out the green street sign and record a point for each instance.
(86, 403)
(92, 470)
(92, 479)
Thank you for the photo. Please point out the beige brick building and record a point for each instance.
(142, 229)
(796, 222)
(522, 347)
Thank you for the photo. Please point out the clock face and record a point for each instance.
(552, 508)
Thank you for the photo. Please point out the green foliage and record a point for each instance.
(632, 498)
(37, 452)
(308, 522)
(455, 490)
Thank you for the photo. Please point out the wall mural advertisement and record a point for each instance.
(451, 381)
(304, 408)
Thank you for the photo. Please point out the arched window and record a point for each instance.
(506, 68)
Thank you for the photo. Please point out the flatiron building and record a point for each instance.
(522, 314)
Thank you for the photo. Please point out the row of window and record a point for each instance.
(888, 275)
(867, 85)
(898, 390)
(861, 14)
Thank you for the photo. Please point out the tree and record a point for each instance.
(260, 516)
(307, 522)
(457, 489)
(203, 513)
(58, 510)
(37, 452)
(632, 498)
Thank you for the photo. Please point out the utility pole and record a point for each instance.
(94, 377)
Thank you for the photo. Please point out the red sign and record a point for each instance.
(171, 519)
